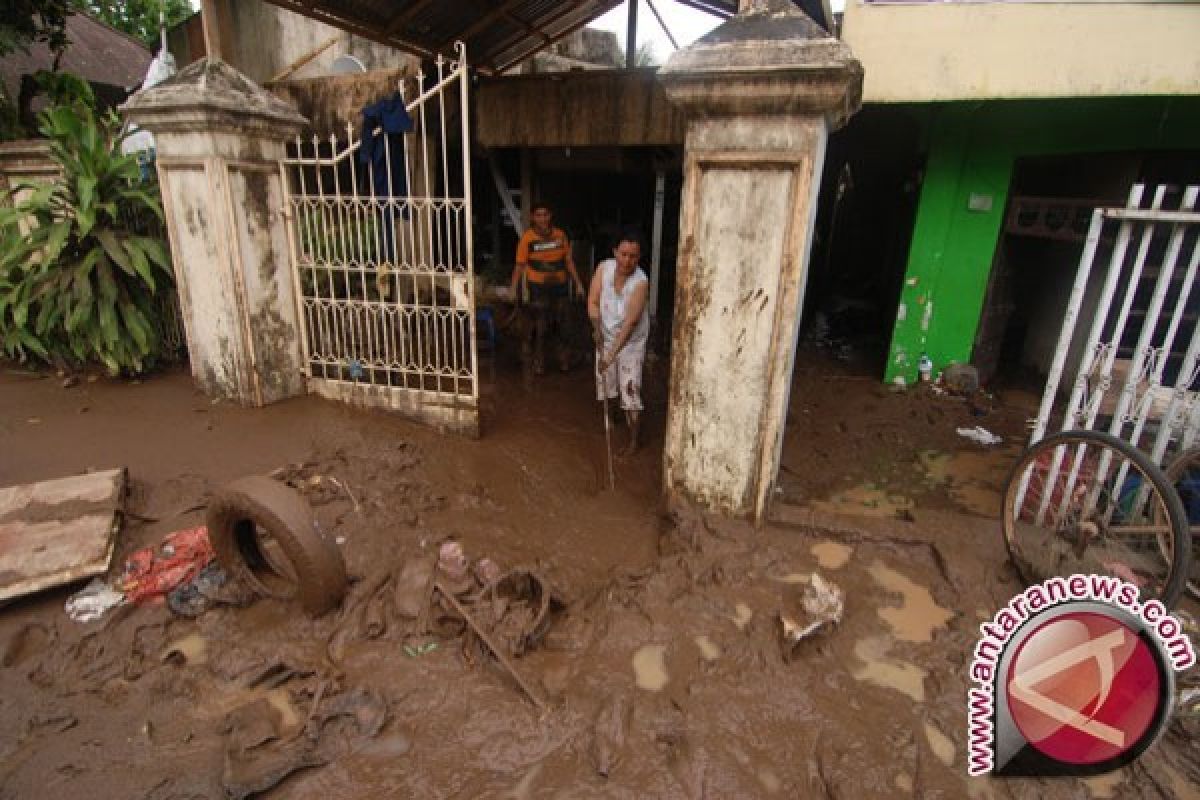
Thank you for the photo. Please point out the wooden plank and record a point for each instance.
(602, 108)
(59, 531)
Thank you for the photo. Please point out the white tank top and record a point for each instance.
(613, 303)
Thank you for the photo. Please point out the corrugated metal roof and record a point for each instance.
(96, 52)
(498, 33)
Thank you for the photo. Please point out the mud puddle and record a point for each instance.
(918, 615)
(709, 650)
(650, 667)
(941, 745)
(866, 500)
(831, 555)
(881, 669)
(974, 480)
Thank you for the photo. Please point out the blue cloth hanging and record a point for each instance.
(383, 127)
(388, 119)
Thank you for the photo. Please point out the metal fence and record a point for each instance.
(380, 228)
(1131, 321)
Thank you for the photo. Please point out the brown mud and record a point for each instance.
(855, 446)
(665, 675)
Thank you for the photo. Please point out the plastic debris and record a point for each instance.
(209, 587)
(925, 368)
(149, 574)
(452, 560)
(454, 567)
(487, 571)
(820, 607)
(419, 650)
(979, 434)
(93, 601)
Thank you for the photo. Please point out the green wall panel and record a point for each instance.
(972, 149)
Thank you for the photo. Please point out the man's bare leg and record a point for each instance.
(632, 418)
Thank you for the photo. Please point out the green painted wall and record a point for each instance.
(972, 149)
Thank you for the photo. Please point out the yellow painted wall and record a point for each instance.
(959, 51)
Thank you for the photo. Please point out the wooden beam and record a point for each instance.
(212, 28)
(481, 23)
(303, 8)
(530, 30)
(396, 22)
(303, 60)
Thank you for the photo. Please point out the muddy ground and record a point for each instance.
(664, 676)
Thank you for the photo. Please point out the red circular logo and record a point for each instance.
(1083, 688)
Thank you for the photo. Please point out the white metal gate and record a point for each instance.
(1131, 326)
(380, 229)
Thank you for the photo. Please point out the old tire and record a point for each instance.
(265, 534)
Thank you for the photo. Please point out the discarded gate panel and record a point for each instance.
(1131, 324)
(1139, 347)
(59, 531)
(383, 258)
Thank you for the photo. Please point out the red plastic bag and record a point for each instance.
(152, 572)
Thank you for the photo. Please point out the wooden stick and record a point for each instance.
(504, 660)
(287, 71)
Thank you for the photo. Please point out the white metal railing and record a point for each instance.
(383, 256)
(1154, 260)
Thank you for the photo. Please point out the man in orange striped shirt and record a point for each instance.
(544, 262)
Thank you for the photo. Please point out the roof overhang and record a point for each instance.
(498, 33)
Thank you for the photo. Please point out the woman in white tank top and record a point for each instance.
(617, 305)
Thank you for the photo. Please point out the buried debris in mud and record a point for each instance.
(152, 572)
(264, 534)
(498, 652)
(436, 598)
(59, 531)
(93, 601)
(819, 606)
(263, 746)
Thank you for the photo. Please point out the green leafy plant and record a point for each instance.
(78, 274)
(64, 88)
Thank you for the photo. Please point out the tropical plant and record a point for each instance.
(78, 274)
(64, 88)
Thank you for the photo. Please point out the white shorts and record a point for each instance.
(623, 379)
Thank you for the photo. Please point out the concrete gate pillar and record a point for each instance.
(220, 140)
(761, 94)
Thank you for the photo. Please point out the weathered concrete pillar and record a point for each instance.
(761, 93)
(220, 139)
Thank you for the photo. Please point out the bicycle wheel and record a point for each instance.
(1183, 474)
(1083, 502)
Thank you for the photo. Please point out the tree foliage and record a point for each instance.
(138, 18)
(646, 55)
(78, 277)
(27, 21)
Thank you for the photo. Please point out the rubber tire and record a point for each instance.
(284, 513)
(1174, 471)
(1180, 565)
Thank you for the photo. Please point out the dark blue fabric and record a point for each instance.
(387, 120)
